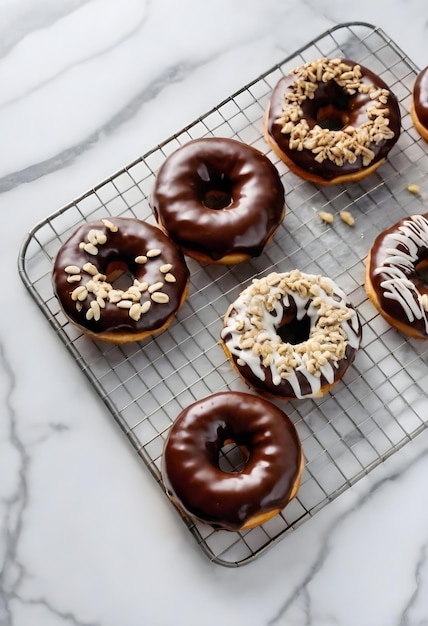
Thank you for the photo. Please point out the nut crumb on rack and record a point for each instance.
(347, 217)
(414, 189)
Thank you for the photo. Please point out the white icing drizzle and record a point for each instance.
(250, 329)
(398, 265)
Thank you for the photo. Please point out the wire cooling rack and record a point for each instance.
(373, 411)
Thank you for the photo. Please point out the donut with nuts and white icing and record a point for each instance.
(394, 282)
(291, 335)
(332, 121)
(153, 279)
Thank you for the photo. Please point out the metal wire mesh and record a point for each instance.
(373, 411)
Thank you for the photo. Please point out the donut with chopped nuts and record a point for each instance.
(291, 335)
(219, 199)
(332, 121)
(394, 282)
(419, 104)
(120, 279)
(259, 488)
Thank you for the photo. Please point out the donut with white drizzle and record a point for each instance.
(291, 335)
(393, 280)
(154, 282)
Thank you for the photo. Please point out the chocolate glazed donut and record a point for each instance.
(291, 335)
(155, 279)
(232, 500)
(332, 121)
(220, 200)
(394, 281)
(419, 104)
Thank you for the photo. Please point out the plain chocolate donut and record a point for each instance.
(419, 104)
(219, 199)
(254, 493)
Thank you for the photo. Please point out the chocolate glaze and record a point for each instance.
(355, 107)
(191, 472)
(289, 309)
(228, 169)
(285, 389)
(392, 272)
(133, 238)
(420, 97)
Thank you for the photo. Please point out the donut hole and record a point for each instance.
(119, 275)
(295, 330)
(216, 193)
(332, 117)
(233, 457)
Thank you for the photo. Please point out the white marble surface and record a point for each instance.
(86, 536)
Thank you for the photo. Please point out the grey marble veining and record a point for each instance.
(86, 536)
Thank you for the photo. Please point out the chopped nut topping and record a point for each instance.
(74, 278)
(90, 268)
(414, 189)
(141, 259)
(124, 304)
(90, 248)
(327, 339)
(135, 312)
(79, 293)
(338, 146)
(160, 297)
(102, 292)
(155, 287)
(112, 227)
(154, 252)
(146, 306)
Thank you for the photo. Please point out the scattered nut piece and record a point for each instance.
(326, 216)
(414, 189)
(347, 217)
(72, 269)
